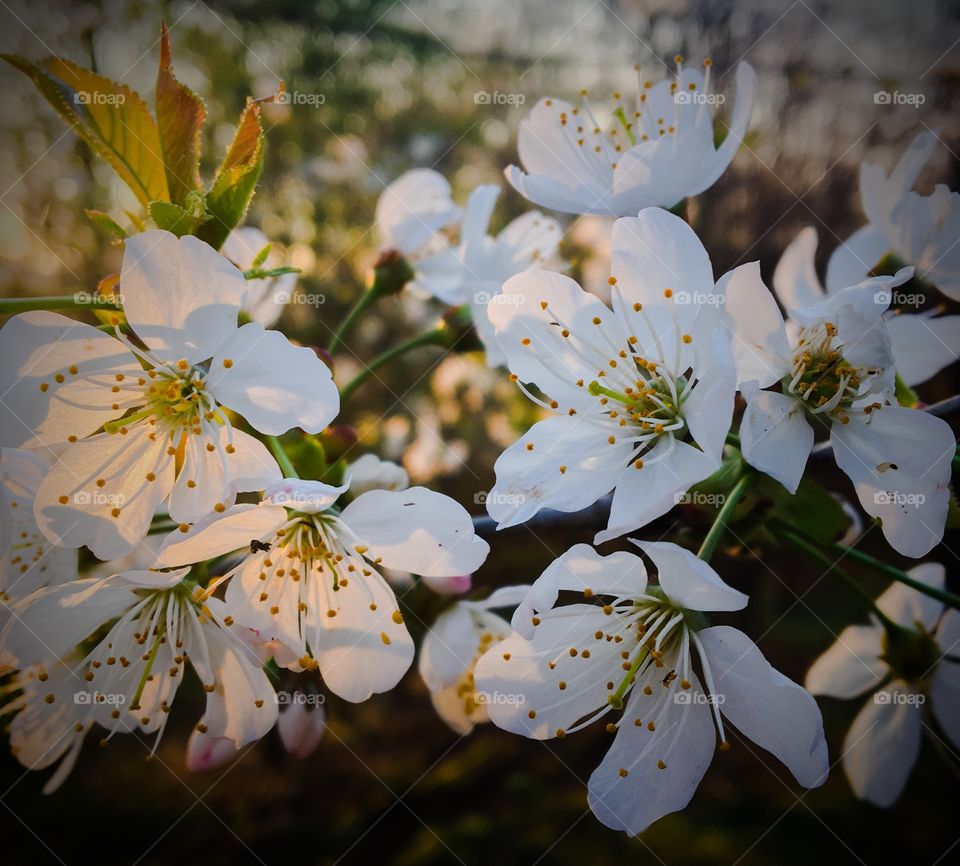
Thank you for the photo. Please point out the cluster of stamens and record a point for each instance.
(631, 127)
(639, 398)
(824, 380)
(308, 559)
(653, 633)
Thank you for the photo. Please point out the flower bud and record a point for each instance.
(301, 728)
(206, 753)
(456, 585)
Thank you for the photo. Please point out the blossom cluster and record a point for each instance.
(153, 442)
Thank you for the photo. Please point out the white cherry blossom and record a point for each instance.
(656, 152)
(631, 645)
(643, 393)
(835, 367)
(309, 583)
(922, 343)
(145, 627)
(451, 649)
(909, 679)
(143, 415)
(487, 262)
(411, 214)
(921, 230)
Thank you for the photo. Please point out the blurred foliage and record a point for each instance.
(393, 87)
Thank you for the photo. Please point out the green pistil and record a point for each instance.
(115, 426)
(151, 658)
(616, 699)
(621, 115)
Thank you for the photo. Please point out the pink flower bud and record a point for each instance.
(456, 585)
(206, 753)
(302, 724)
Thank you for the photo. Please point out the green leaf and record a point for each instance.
(111, 118)
(236, 179)
(261, 257)
(953, 511)
(106, 222)
(180, 117)
(812, 509)
(175, 219)
(261, 274)
(905, 395)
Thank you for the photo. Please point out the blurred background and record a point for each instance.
(402, 84)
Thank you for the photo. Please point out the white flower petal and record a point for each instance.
(308, 497)
(103, 492)
(764, 705)
(581, 569)
(760, 348)
(642, 495)
(42, 401)
(737, 129)
(945, 683)
(52, 621)
(575, 198)
(851, 665)
(795, 279)
(460, 712)
(218, 534)
(476, 216)
(882, 745)
(923, 346)
(570, 466)
(688, 581)
(360, 651)
(776, 437)
(899, 461)
(524, 695)
(272, 383)
(416, 530)
(449, 647)
(651, 253)
(531, 335)
(908, 607)
(180, 296)
(242, 706)
(414, 207)
(708, 409)
(855, 258)
(683, 741)
(504, 596)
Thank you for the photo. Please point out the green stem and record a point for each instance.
(733, 498)
(815, 553)
(286, 465)
(390, 274)
(364, 302)
(436, 337)
(58, 302)
(948, 598)
(734, 440)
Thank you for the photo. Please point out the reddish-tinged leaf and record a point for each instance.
(236, 179)
(108, 116)
(180, 117)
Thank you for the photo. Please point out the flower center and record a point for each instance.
(823, 380)
(177, 401)
(640, 125)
